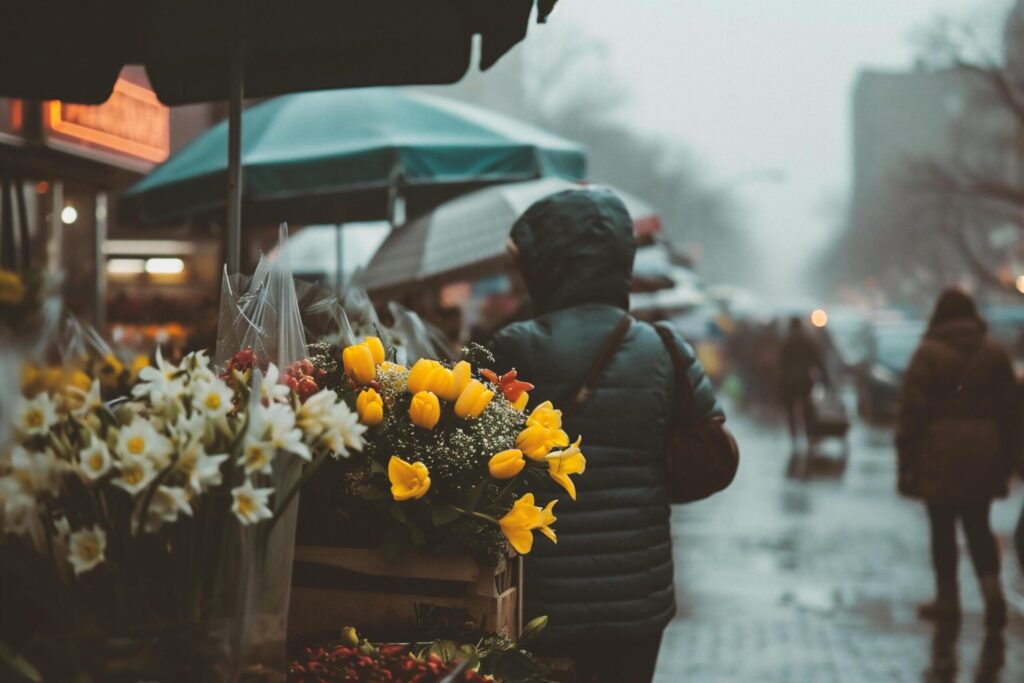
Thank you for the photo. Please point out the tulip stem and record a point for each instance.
(478, 515)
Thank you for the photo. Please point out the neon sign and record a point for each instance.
(132, 122)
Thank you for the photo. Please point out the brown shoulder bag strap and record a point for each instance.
(589, 383)
(685, 399)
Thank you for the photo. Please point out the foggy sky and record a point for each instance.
(754, 84)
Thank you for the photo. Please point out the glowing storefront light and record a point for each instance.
(165, 266)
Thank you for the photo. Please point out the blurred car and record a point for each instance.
(889, 346)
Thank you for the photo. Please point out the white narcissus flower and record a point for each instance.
(199, 367)
(202, 470)
(249, 504)
(136, 474)
(277, 426)
(17, 507)
(213, 399)
(158, 382)
(271, 388)
(343, 432)
(35, 416)
(168, 502)
(311, 414)
(258, 455)
(86, 549)
(140, 440)
(36, 472)
(91, 400)
(94, 461)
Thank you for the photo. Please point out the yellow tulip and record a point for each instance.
(370, 407)
(376, 347)
(425, 410)
(79, 380)
(419, 376)
(545, 416)
(408, 481)
(53, 378)
(138, 364)
(520, 403)
(519, 523)
(547, 518)
(561, 464)
(473, 399)
(463, 374)
(506, 464)
(441, 381)
(359, 365)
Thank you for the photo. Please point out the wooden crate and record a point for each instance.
(335, 587)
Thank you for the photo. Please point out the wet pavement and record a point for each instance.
(810, 571)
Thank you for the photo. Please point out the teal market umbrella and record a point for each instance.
(342, 155)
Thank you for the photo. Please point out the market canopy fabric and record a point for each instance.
(466, 237)
(339, 155)
(73, 51)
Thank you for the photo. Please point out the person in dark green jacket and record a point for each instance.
(607, 586)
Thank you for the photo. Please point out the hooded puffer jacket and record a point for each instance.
(958, 416)
(610, 576)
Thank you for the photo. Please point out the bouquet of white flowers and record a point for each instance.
(153, 521)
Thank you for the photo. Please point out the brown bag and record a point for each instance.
(703, 456)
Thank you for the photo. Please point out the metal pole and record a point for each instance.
(100, 261)
(24, 241)
(339, 251)
(55, 249)
(235, 179)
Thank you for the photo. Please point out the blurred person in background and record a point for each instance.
(801, 365)
(955, 443)
(607, 586)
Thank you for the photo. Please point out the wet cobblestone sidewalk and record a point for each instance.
(811, 571)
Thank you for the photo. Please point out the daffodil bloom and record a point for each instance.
(547, 518)
(425, 410)
(419, 376)
(376, 349)
(506, 464)
(519, 523)
(140, 440)
(359, 365)
(138, 364)
(86, 549)
(370, 407)
(12, 289)
(79, 380)
(561, 464)
(473, 400)
(94, 461)
(408, 482)
(250, 505)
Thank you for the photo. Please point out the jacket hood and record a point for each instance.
(576, 247)
(964, 335)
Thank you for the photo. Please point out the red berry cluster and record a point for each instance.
(302, 377)
(391, 663)
(241, 361)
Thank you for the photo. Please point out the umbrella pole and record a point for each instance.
(237, 93)
(339, 267)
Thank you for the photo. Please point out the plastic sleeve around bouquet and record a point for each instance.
(261, 312)
(417, 338)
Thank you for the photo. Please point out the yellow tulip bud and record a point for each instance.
(370, 407)
(425, 410)
(506, 464)
(419, 376)
(376, 349)
(520, 403)
(408, 481)
(442, 382)
(358, 362)
(473, 400)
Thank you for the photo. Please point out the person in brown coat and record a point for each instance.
(955, 444)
